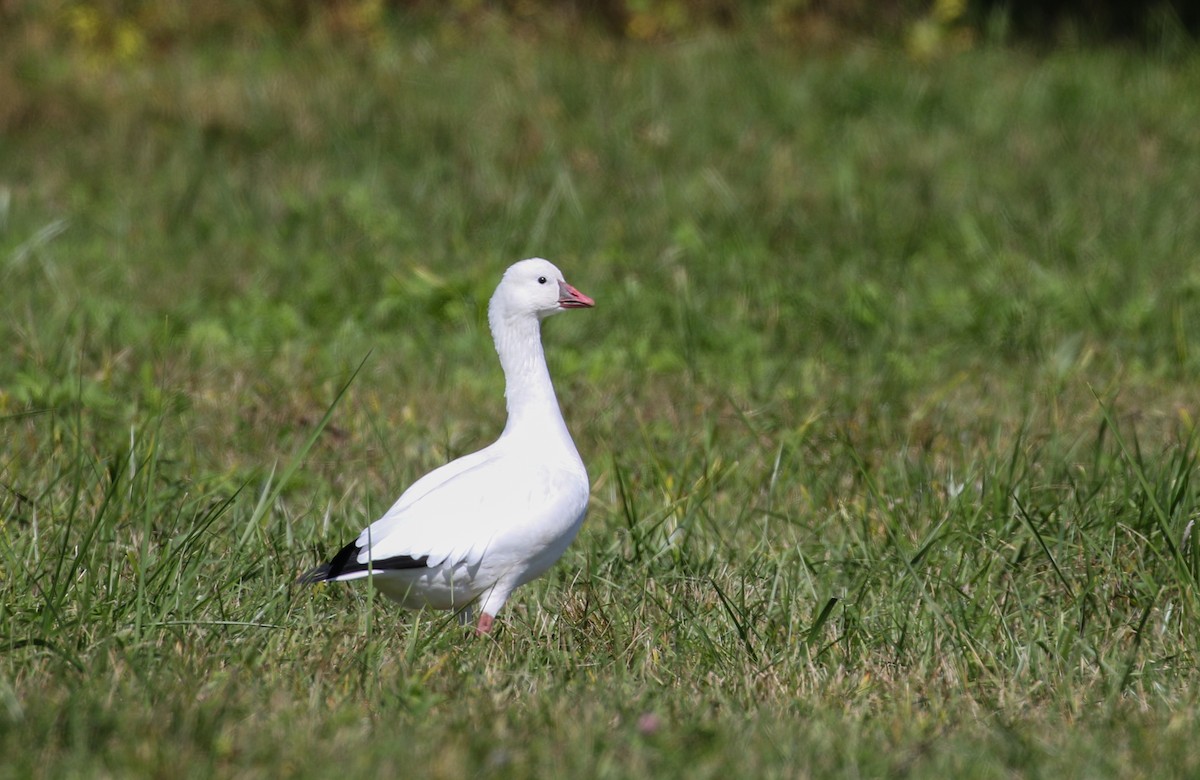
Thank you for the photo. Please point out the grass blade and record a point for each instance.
(271, 491)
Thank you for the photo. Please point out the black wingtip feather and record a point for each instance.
(346, 562)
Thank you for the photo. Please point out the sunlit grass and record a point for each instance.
(888, 403)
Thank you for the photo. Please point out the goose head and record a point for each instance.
(535, 287)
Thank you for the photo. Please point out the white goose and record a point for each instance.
(481, 526)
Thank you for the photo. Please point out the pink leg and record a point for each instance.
(485, 624)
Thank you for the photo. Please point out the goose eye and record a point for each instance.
(541, 280)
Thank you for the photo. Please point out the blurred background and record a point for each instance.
(783, 199)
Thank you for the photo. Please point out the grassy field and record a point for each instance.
(888, 402)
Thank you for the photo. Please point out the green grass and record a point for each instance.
(887, 401)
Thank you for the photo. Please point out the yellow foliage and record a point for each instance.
(940, 32)
(103, 38)
(128, 42)
(949, 11)
(924, 40)
(84, 23)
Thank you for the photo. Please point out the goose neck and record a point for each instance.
(528, 392)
